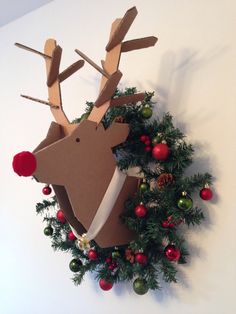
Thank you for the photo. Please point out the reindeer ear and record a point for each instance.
(54, 134)
(117, 133)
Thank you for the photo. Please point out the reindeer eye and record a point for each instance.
(77, 139)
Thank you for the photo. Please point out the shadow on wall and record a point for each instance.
(175, 78)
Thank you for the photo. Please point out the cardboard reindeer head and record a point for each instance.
(77, 159)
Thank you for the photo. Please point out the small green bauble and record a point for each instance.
(157, 139)
(185, 203)
(48, 231)
(140, 286)
(115, 254)
(146, 112)
(143, 187)
(75, 265)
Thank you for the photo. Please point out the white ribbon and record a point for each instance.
(103, 211)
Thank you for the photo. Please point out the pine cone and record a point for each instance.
(129, 255)
(120, 119)
(164, 179)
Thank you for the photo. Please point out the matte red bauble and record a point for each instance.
(92, 255)
(24, 164)
(71, 236)
(140, 210)
(61, 217)
(172, 253)
(105, 285)
(161, 151)
(141, 258)
(206, 194)
(47, 190)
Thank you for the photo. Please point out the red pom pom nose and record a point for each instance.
(24, 164)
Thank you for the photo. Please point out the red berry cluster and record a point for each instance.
(112, 265)
(168, 223)
(146, 140)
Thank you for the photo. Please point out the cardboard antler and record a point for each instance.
(114, 49)
(52, 55)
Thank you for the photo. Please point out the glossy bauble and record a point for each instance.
(105, 285)
(157, 139)
(185, 203)
(172, 253)
(92, 255)
(140, 286)
(140, 211)
(144, 187)
(206, 194)
(47, 190)
(146, 112)
(141, 258)
(71, 236)
(75, 265)
(61, 217)
(161, 151)
(48, 231)
(115, 254)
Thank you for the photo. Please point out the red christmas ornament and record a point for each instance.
(140, 210)
(71, 236)
(105, 285)
(24, 164)
(61, 217)
(147, 149)
(206, 194)
(47, 190)
(141, 258)
(172, 253)
(92, 255)
(161, 151)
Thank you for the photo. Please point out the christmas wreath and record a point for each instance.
(119, 226)
(158, 212)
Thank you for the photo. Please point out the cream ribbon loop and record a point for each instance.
(104, 210)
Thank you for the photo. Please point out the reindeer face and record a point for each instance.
(78, 160)
(85, 153)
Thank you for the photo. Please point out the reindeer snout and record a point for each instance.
(24, 163)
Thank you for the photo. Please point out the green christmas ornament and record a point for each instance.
(75, 265)
(48, 231)
(140, 286)
(185, 202)
(144, 186)
(157, 139)
(115, 254)
(146, 112)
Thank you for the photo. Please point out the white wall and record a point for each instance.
(193, 70)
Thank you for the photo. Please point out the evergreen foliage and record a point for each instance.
(152, 236)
